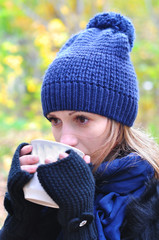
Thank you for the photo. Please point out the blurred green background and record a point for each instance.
(31, 32)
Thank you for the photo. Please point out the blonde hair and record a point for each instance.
(122, 140)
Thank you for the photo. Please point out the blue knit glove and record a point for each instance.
(70, 183)
(22, 213)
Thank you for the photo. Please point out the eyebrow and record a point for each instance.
(71, 113)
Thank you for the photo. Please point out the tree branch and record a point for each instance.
(31, 14)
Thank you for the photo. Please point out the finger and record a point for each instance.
(63, 155)
(28, 160)
(87, 159)
(26, 149)
(29, 168)
(49, 160)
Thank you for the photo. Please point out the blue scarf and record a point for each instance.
(116, 184)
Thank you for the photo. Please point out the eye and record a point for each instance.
(82, 119)
(54, 121)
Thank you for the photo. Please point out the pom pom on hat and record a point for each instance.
(93, 72)
(115, 21)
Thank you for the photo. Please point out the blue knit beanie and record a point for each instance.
(93, 72)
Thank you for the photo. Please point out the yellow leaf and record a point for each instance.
(83, 24)
(10, 120)
(1, 68)
(43, 39)
(32, 125)
(8, 4)
(56, 25)
(13, 61)
(64, 10)
(7, 163)
(10, 104)
(59, 38)
(10, 47)
(11, 77)
(99, 3)
(31, 87)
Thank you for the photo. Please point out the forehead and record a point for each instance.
(60, 113)
(67, 113)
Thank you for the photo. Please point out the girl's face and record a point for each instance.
(83, 130)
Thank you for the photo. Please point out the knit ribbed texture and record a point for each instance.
(16, 181)
(83, 233)
(70, 183)
(118, 182)
(22, 213)
(93, 72)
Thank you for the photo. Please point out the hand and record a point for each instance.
(28, 162)
(70, 183)
(86, 158)
(23, 214)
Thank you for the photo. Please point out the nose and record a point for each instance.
(69, 139)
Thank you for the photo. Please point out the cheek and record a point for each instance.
(56, 135)
(90, 145)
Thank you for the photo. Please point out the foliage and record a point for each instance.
(31, 33)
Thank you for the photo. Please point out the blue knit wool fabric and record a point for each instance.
(93, 72)
(70, 183)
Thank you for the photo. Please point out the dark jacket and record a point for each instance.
(126, 205)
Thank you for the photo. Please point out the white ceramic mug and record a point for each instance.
(33, 190)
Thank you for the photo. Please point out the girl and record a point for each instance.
(90, 96)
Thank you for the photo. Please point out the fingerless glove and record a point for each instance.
(22, 213)
(70, 183)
